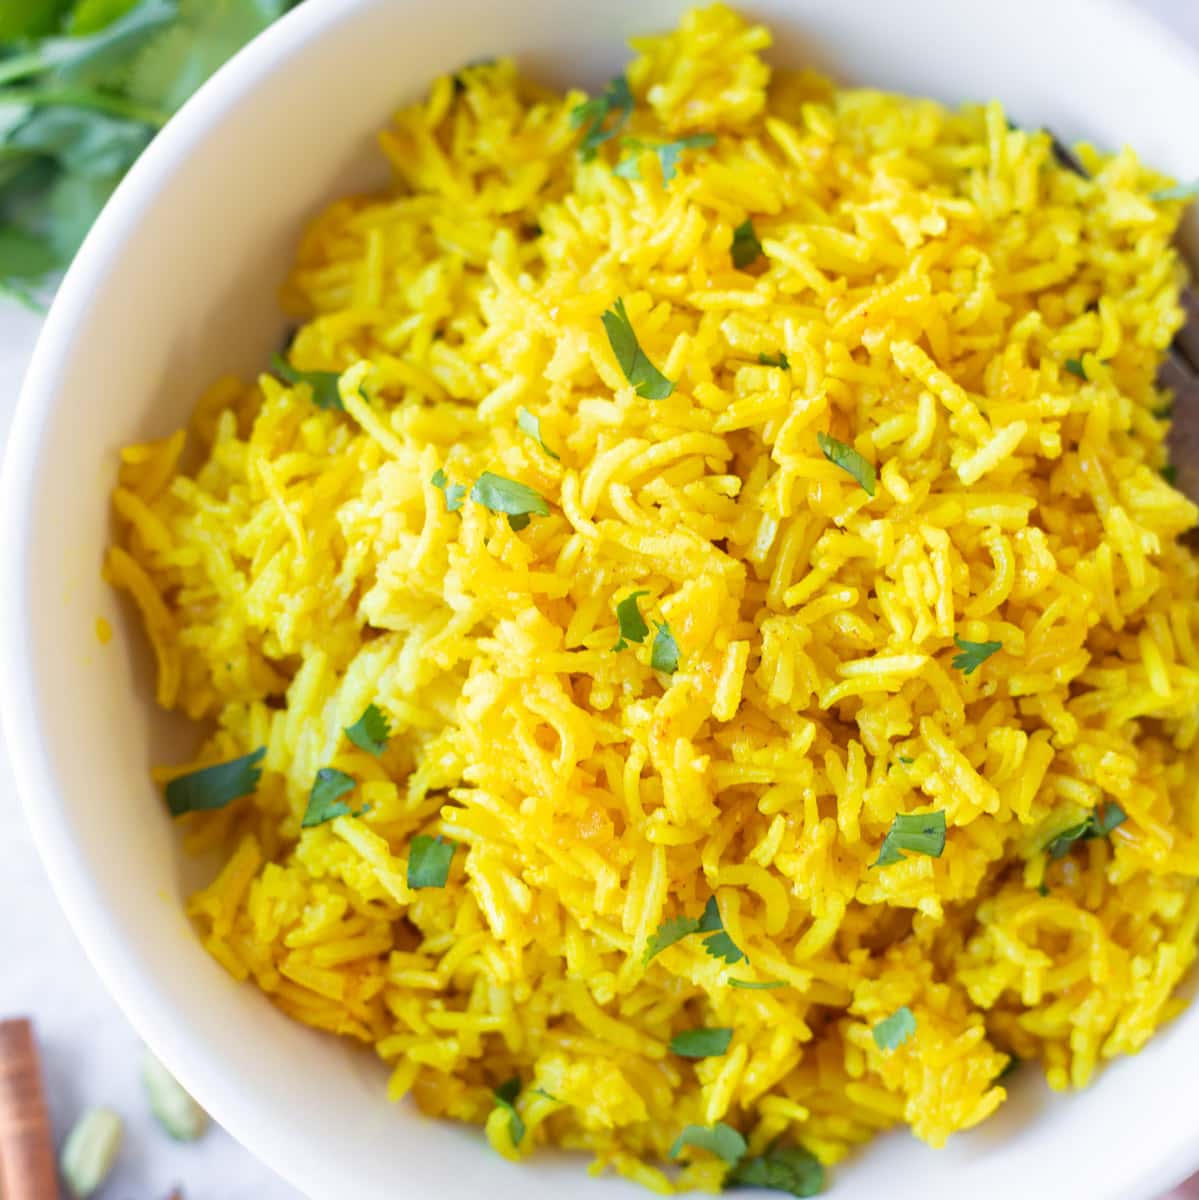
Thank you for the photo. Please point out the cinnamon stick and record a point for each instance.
(27, 1170)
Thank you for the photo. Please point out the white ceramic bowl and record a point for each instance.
(176, 284)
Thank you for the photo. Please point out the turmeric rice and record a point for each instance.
(695, 624)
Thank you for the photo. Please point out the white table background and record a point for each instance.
(90, 1054)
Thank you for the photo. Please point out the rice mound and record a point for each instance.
(935, 290)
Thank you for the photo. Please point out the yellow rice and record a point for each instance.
(928, 274)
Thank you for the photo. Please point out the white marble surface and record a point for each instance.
(91, 1056)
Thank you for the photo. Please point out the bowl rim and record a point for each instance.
(296, 1160)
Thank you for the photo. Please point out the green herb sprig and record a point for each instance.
(1098, 824)
(647, 380)
(789, 1169)
(849, 460)
(514, 499)
(602, 117)
(215, 787)
(370, 732)
(973, 654)
(891, 1032)
(505, 1098)
(429, 861)
(325, 392)
(916, 833)
(668, 154)
(746, 249)
(630, 622)
(84, 87)
(701, 1043)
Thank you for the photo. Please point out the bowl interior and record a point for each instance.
(177, 285)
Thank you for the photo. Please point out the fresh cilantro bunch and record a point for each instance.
(84, 87)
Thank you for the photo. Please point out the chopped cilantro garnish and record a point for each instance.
(1097, 824)
(453, 491)
(746, 249)
(722, 1140)
(779, 360)
(325, 393)
(615, 101)
(849, 460)
(429, 861)
(505, 1098)
(907, 762)
(751, 985)
(647, 380)
(630, 621)
(718, 944)
(668, 154)
(1182, 191)
(509, 496)
(664, 654)
(370, 732)
(672, 930)
(701, 1043)
(894, 1030)
(528, 423)
(920, 833)
(790, 1169)
(1075, 367)
(325, 800)
(1170, 474)
(973, 654)
(215, 786)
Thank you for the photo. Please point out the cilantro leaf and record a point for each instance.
(82, 140)
(921, 833)
(1182, 191)
(89, 15)
(701, 1043)
(672, 930)
(615, 101)
(973, 654)
(454, 492)
(370, 732)
(647, 380)
(664, 654)
(746, 249)
(23, 256)
(849, 460)
(894, 1030)
(1170, 474)
(790, 1169)
(325, 800)
(206, 33)
(718, 944)
(1098, 824)
(325, 393)
(517, 500)
(779, 360)
(216, 786)
(526, 422)
(722, 1140)
(90, 57)
(505, 1097)
(630, 621)
(752, 985)
(668, 154)
(1075, 367)
(28, 18)
(429, 861)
